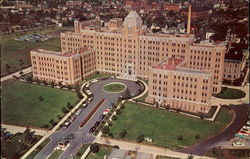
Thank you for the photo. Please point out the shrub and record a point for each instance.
(116, 147)
(105, 130)
(40, 98)
(123, 133)
(122, 106)
(114, 117)
(180, 137)
(110, 134)
(118, 111)
(140, 138)
(197, 136)
(94, 148)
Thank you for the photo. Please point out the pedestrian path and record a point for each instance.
(25, 71)
(16, 129)
(145, 148)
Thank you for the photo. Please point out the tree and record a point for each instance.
(190, 156)
(21, 72)
(45, 82)
(110, 134)
(64, 110)
(28, 135)
(114, 117)
(140, 138)
(46, 126)
(180, 137)
(69, 106)
(105, 130)
(29, 79)
(94, 148)
(40, 98)
(122, 106)
(118, 111)
(122, 134)
(52, 84)
(197, 136)
(60, 85)
(21, 61)
(52, 122)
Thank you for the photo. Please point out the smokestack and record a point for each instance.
(189, 18)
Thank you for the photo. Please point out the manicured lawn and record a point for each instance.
(142, 98)
(97, 75)
(38, 149)
(81, 152)
(12, 51)
(162, 126)
(224, 116)
(55, 154)
(229, 93)
(103, 150)
(115, 87)
(21, 105)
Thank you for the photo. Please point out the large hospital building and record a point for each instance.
(181, 73)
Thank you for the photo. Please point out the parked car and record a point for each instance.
(101, 117)
(238, 144)
(92, 129)
(97, 123)
(106, 111)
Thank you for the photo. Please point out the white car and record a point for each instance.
(238, 144)
(93, 81)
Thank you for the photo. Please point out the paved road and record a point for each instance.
(81, 134)
(25, 71)
(241, 112)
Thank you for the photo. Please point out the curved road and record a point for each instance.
(241, 112)
(82, 135)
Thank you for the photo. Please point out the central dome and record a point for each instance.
(133, 19)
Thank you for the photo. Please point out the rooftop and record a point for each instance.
(169, 64)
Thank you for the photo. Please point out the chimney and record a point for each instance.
(189, 19)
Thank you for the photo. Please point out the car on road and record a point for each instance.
(63, 143)
(92, 129)
(94, 80)
(106, 111)
(78, 111)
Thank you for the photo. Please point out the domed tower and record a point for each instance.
(132, 24)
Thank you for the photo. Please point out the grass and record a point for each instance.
(98, 75)
(21, 104)
(115, 87)
(142, 98)
(38, 149)
(81, 151)
(230, 93)
(103, 150)
(55, 154)
(162, 126)
(17, 146)
(224, 116)
(12, 51)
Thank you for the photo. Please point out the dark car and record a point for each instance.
(91, 130)
(96, 124)
(101, 117)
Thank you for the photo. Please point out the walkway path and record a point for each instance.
(144, 148)
(15, 129)
(25, 71)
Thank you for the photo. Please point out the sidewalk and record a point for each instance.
(15, 129)
(25, 71)
(145, 148)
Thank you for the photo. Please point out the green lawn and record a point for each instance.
(162, 126)
(115, 87)
(21, 105)
(81, 152)
(230, 93)
(224, 116)
(103, 150)
(12, 51)
(55, 154)
(97, 75)
(38, 149)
